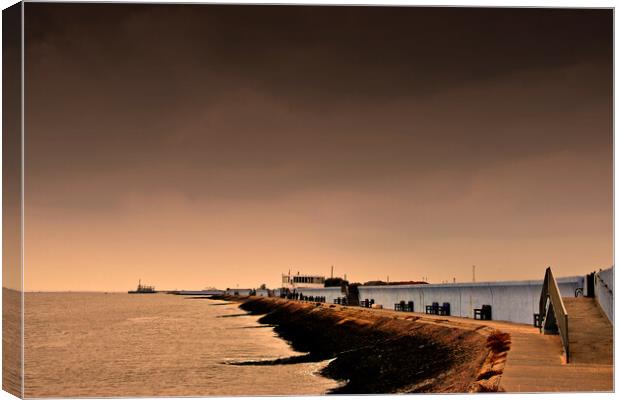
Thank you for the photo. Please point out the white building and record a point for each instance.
(239, 292)
(293, 282)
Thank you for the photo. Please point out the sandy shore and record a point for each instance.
(386, 352)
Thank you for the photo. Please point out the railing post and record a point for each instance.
(551, 291)
(566, 344)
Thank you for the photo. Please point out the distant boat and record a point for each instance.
(143, 288)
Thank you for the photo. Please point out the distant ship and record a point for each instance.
(143, 288)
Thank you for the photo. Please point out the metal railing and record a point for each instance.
(604, 296)
(552, 306)
(605, 285)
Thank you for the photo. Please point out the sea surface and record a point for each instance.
(103, 345)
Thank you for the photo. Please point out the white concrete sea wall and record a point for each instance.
(604, 291)
(330, 293)
(238, 292)
(262, 292)
(515, 301)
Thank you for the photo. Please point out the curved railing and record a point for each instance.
(552, 308)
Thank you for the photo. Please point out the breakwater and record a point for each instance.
(382, 352)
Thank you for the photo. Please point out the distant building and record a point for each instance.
(292, 282)
(239, 292)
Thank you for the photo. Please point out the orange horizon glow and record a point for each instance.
(235, 148)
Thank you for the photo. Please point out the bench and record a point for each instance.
(444, 309)
(340, 300)
(538, 320)
(433, 309)
(484, 313)
(402, 306)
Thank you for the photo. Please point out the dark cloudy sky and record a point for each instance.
(222, 145)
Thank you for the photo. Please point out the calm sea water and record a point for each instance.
(99, 345)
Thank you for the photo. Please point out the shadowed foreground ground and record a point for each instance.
(380, 353)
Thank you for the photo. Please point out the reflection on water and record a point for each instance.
(96, 344)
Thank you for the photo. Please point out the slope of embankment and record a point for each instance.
(383, 352)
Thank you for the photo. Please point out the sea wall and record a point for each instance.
(385, 352)
(514, 301)
(604, 291)
(330, 293)
(238, 292)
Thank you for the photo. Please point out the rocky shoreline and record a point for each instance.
(383, 352)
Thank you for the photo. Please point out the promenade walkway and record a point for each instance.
(535, 362)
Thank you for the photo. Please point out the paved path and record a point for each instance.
(535, 362)
(590, 332)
